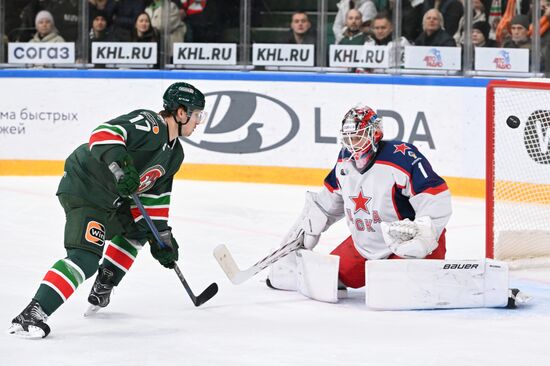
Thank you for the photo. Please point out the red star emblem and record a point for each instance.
(360, 202)
(401, 148)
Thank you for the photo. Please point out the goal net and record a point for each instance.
(518, 173)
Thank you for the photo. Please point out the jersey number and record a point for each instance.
(146, 127)
(422, 170)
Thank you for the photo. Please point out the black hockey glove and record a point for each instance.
(126, 175)
(166, 256)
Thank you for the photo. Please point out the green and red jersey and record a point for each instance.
(144, 135)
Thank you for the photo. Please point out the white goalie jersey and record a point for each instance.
(400, 184)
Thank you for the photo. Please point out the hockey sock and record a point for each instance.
(120, 255)
(64, 277)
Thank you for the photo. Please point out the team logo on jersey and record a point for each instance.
(149, 177)
(402, 148)
(245, 123)
(536, 136)
(95, 233)
(361, 202)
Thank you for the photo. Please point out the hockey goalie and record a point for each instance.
(396, 207)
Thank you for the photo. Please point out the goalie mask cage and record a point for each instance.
(518, 173)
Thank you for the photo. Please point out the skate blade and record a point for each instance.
(92, 309)
(523, 298)
(15, 328)
(32, 333)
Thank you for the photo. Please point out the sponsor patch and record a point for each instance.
(95, 233)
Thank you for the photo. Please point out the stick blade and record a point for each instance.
(207, 294)
(228, 265)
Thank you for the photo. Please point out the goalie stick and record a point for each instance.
(204, 296)
(237, 276)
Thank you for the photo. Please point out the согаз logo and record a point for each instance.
(243, 122)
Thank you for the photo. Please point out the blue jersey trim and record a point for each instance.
(247, 76)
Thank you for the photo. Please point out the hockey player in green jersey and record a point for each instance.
(138, 152)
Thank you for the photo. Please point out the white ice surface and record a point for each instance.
(151, 321)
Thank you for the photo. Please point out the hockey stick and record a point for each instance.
(237, 276)
(203, 297)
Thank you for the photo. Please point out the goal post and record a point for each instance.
(518, 172)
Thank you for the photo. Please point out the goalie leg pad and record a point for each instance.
(436, 284)
(282, 274)
(317, 275)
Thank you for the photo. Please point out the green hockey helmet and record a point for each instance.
(183, 94)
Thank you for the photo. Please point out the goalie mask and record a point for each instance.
(360, 134)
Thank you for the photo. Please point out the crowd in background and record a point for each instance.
(496, 23)
(119, 20)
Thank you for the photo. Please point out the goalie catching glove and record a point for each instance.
(312, 222)
(410, 239)
(168, 255)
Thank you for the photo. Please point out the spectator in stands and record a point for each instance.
(300, 30)
(353, 34)
(365, 7)
(105, 6)
(480, 35)
(411, 23)
(124, 15)
(45, 28)
(66, 17)
(144, 31)
(13, 11)
(176, 28)
(28, 15)
(99, 31)
(493, 11)
(519, 34)
(433, 33)
(480, 38)
(451, 10)
(205, 19)
(478, 16)
(383, 36)
(384, 5)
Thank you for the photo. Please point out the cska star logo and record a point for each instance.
(149, 177)
(361, 202)
(401, 148)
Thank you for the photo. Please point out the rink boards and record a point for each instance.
(263, 127)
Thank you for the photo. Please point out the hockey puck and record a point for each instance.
(512, 122)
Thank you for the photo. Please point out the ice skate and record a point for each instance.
(100, 295)
(31, 323)
(516, 297)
